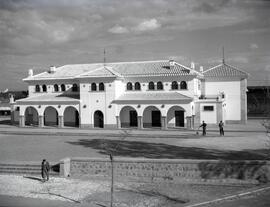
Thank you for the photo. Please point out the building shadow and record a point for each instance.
(5, 122)
(124, 148)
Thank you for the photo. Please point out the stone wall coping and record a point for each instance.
(144, 160)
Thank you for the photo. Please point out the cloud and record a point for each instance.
(148, 25)
(118, 30)
(253, 46)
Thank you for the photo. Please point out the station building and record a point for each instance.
(146, 94)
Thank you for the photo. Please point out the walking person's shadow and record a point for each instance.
(34, 178)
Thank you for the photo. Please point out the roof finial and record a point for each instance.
(223, 56)
(104, 60)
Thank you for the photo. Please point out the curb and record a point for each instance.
(232, 197)
(87, 134)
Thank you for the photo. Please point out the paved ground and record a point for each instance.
(187, 145)
(80, 192)
(33, 144)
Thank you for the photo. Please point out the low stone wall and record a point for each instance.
(168, 170)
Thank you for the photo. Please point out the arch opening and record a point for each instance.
(159, 85)
(98, 119)
(129, 86)
(93, 87)
(44, 88)
(151, 86)
(174, 85)
(176, 117)
(151, 117)
(71, 117)
(63, 87)
(56, 88)
(31, 116)
(183, 85)
(101, 87)
(128, 117)
(50, 116)
(37, 88)
(137, 86)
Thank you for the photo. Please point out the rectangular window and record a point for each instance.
(208, 108)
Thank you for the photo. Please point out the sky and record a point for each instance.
(35, 34)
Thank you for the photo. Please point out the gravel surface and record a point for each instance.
(126, 194)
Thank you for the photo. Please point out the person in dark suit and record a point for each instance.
(204, 128)
(45, 169)
(221, 130)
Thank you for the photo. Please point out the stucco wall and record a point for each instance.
(210, 117)
(232, 96)
(92, 101)
(169, 170)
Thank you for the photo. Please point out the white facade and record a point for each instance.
(133, 94)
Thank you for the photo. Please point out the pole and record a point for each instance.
(112, 183)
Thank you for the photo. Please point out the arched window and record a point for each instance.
(183, 85)
(174, 85)
(151, 86)
(93, 87)
(129, 86)
(44, 88)
(37, 88)
(159, 85)
(74, 87)
(63, 87)
(101, 87)
(137, 86)
(56, 88)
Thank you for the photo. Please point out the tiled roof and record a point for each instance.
(149, 68)
(152, 96)
(224, 70)
(54, 97)
(143, 68)
(68, 71)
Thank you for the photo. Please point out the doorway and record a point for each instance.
(179, 119)
(156, 119)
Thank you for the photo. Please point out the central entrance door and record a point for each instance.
(179, 119)
(133, 118)
(98, 119)
(156, 119)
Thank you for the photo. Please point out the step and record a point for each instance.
(25, 168)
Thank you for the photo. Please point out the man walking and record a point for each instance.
(204, 128)
(45, 168)
(221, 130)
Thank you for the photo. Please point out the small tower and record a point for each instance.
(171, 63)
(201, 69)
(52, 69)
(30, 73)
(192, 65)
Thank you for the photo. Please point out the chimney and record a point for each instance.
(30, 72)
(52, 69)
(11, 98)
(172, 64)
(192, 65)
(201, 69)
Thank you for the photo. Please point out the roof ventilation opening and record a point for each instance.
(172, 64)
(201, 69)
(30, 73)
(52, 69)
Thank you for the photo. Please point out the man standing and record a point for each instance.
(221, 130)
(45, 168)
(204, 128)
